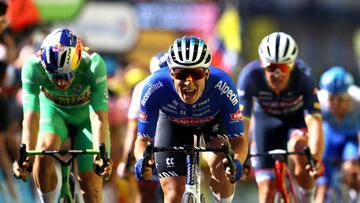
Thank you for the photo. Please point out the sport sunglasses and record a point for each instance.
(283, 67)
(62, 76)
(185, 74)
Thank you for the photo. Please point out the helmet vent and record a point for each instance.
(286, 47)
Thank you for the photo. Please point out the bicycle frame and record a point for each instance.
(281, 171)
(66, 164)
(192, 188)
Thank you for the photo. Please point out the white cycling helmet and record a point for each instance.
(278, 47)
(158, 61)
(189, 52)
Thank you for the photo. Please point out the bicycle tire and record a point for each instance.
(279, 198)
(202, 198)
(188, 198)
(64, 199)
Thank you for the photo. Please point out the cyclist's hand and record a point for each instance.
(148, 172)
(105, 171)
(238, 169)
(23, 171)
(316, 171)
(246, 171)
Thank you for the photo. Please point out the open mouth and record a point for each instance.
(189, 92)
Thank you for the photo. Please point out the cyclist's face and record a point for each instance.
(339, 103)
(62, 80)
(189, 83)
(277, 76)
(63, 84)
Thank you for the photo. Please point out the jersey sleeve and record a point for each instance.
(149, 108)
(30, 86)
(134, 109)
(245, 91)
(99, 92)
(231, 111)
(311, 101)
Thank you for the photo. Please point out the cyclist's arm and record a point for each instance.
(131, 131)
(99, 125)
(99, 102)
(313, 118)
(30, 128)
(240, 147)
(315, 134)
(30, 77)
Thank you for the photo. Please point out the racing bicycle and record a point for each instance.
(192, 188)
(65, 158)
(285, 184)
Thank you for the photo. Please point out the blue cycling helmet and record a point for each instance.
(336, 80)
(61, 54)
(189, 52)
(158, 61)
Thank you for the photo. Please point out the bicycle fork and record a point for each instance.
(66, 187)
(280, 173)
(193, 175)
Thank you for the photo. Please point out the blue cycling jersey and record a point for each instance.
(298, 98)
(349, 125)
(219, 98)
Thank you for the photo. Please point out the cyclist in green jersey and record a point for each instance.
(64, 85)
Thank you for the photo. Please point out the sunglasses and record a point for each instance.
(62, 76)
(189, 74)
(283, 67)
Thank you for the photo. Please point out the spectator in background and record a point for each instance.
(340, 107)
(147, 189)
(10, 112)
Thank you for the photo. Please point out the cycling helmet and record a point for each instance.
(336, 80)
(189, 52)
(61, 54)
(158, 61)
(278, 47)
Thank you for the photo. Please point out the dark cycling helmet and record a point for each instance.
(278, 47)
(189, 52)
(158, 61)
(61, 54)
(336, 80)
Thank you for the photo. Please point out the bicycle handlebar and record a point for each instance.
(72, 152)
(280, 154)
(225, 148)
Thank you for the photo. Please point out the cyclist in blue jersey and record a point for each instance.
(340, 107)
(175, 103)
(147, 188)
(281, 97)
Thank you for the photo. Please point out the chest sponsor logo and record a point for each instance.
(191, 121)
(151, 89)
(224, 89)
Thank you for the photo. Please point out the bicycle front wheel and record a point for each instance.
(188, 198)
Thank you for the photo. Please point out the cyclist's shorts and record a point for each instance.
(55, 120)
(170, 134)
(271, 134)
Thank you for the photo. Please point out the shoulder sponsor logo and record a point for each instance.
(150, 90)
(225, 89)
(100, 79)
(237, 116)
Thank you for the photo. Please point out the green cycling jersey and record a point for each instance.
(87, 93)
